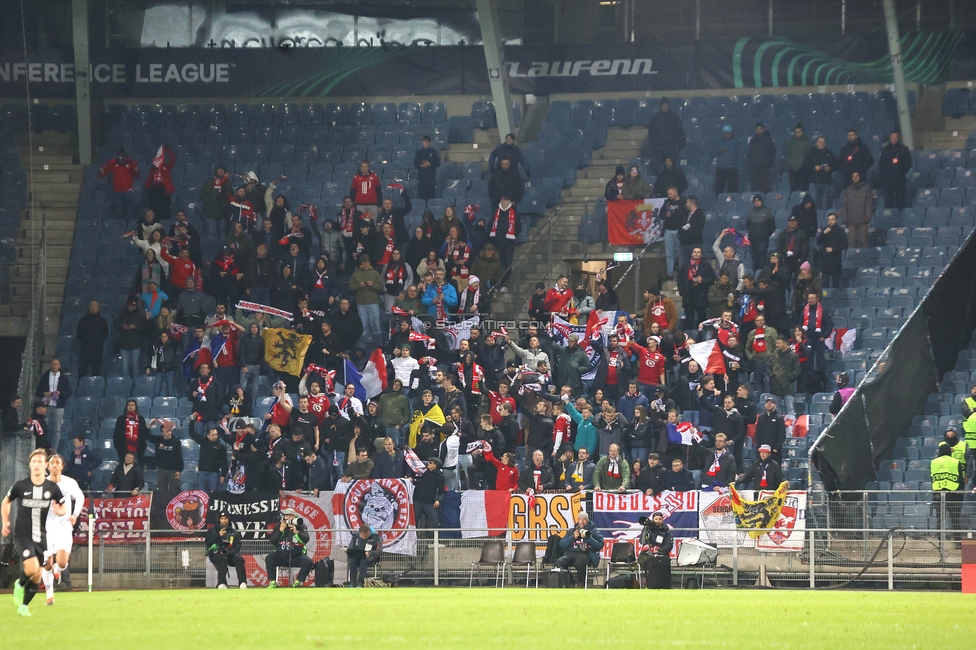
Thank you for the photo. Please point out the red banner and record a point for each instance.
(119, 520)
(635, 223)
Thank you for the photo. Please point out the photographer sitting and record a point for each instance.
(654, 560)
(364, 551)
(581, 548)
(223, 550)
(289, 540)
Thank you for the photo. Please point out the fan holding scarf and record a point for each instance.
(130, 433)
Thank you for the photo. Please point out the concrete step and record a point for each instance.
(469, 155)
(62, 151)
(41, 159)
(488, 138)
(617, 134)
(966, 123)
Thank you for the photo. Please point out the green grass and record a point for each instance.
(498, 619)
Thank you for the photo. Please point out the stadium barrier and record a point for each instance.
(155, 540)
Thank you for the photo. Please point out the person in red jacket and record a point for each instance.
(366, 192)
(159, 183)
(650, 367)
(180, 268)
(507, 473)
(124, 171)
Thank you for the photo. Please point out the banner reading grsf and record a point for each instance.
(117, 73)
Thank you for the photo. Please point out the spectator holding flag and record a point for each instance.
(159, 183)
(123, 171)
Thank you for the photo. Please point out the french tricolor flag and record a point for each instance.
(480, 513)
(374, 374)
(709, 357)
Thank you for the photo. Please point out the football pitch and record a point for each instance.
(489, 618)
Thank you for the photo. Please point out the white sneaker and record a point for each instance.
(221, 586)
(243, 585)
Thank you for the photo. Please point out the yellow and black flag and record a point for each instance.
(284, 350)
(755, 516)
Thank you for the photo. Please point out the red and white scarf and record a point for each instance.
(387, 252)
(264, 309)
(439, 305)
(395, 274)
(475, 295)
(818, 321)
(320, 277)
(202, 388)
(132, 434)
(759, 342)
(511, 222)
(613, 468)
(348, 217)
(715, 467)
(693, 268)
(477, 376)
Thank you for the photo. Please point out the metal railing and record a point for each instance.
(829, 558)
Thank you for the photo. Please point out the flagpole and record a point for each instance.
(639, 257)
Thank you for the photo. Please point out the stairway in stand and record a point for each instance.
(57, 184)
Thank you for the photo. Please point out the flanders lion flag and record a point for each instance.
(284, 350)
(758, 515)
(435, 415)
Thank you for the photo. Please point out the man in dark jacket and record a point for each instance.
(505, 181)
(428, 492)
(760, 156)
(718, 465)
(426, 160)
(81, 462)
(538, 475)
(504, 226)
(131, 325)
(169, 460)
(765, 473)
(92, 331)
(854, 157)
(727, 420)
(665, 135)
(223, 549)
(771, 430)
(127, 479)
(669, 176)
(364, 551)
(832, 241)
(893, 164)
(819, 165)
(347, 326)
(653, 479)
(794, 248)
(694, 281)
(680, 479)
(581, 547)
(760, 223)
(259, 276)
(690, 233)
(289, 540)
(508, 149)
(53, 390)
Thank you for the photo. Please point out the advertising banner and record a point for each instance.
(383, 504)
(118, 520)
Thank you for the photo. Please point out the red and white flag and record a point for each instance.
(160, 158)
(427, 340)
(374, 374)
(845, 337)
(709, 357)
(413, 461)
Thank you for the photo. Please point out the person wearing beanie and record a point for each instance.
(794, 248)
(727, 158)
(537, 304)
(669, 176)
(796, 153)
(665, 135)
(805, 213)
(765, 473)
(760, 156)
(615, 186)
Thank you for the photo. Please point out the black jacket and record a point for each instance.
(820, 158)
(696, 227)
(92, 331)
(888, 168)
(726, 466)
(774, 475)
(854, 157)
(428, 488)
(127, 482)
(286, 541)
(836, 240)
(371, 547)
(505, 183)
(683, 481)
(118, 437)
(667, 178)
(130, 339)
(225, 544)
(665, 134)
(806, 219)
(696, 295)
(731, 424)
(44, 385)
(169, 453)
(651, 478)
(761, 153)
(795, 241)
(770, 430)
(546, 479)
(213, 455)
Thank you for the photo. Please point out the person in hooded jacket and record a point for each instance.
(760, 223)
(832, 241)
(615, 186)
(669, 176)
(505, 181)
(635, 187)
(854, 157)
(819, 165)
(842, 394)
(805, 214)
(665, 135)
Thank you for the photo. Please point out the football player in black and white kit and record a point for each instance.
(34, 495)
(60, 527)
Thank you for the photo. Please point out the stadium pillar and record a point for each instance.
(491, 36)
(79, 25)
(901, 94)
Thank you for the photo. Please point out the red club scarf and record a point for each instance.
(347, 216)
(132, 434)
(693, 269)
(395, 273)
(387, 252)
(714, 469)
(511, 222)
(818, 320)
(759, 342)
(202, 388)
